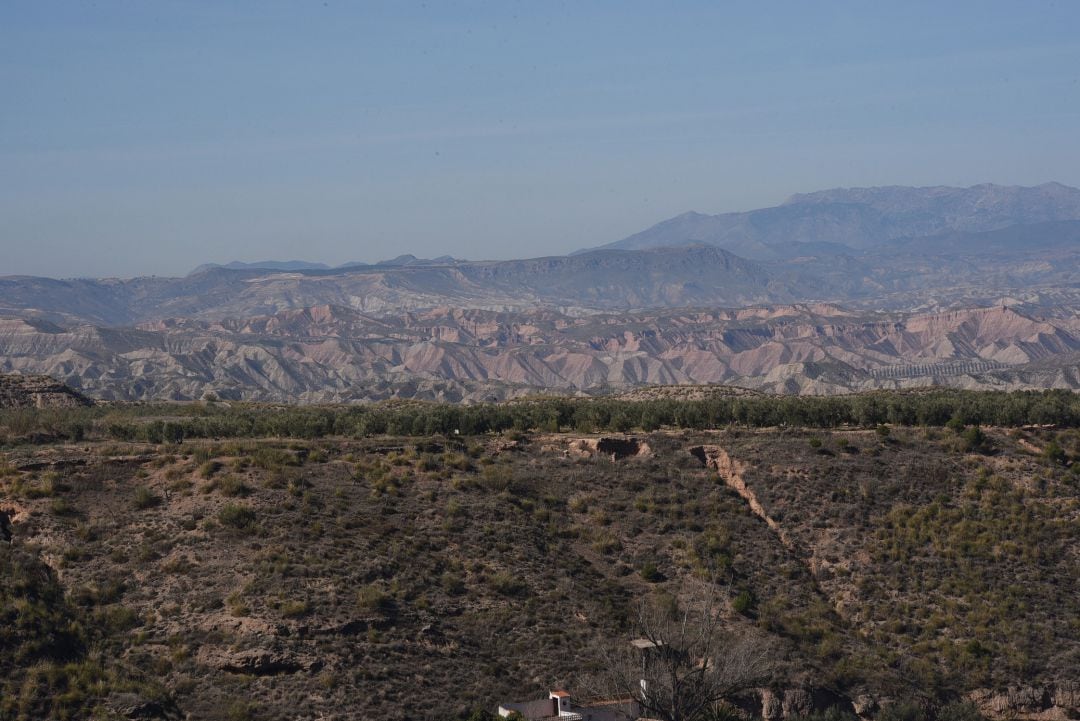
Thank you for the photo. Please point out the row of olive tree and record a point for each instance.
(932, 408)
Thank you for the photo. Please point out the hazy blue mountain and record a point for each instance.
(878, 248)
(298, 265)
(1050, 236)
(863, 218)
(409, 259)
(264, 265)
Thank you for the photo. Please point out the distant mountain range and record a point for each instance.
(599, 280)
(884, 255)
(855, 219)
(287, 265)
(1037, 264)
(828, 222)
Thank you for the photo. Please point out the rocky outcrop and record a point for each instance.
(611, 447)
(37, 391)
(791, 703)
(1052, 702)
(258, 661)
(133, 706)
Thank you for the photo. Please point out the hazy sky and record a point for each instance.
(148, 137)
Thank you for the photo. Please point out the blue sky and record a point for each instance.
(148, 137)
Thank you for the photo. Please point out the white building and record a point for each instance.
(558, 707)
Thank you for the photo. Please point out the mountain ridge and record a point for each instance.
(335, 353)
(405, 259)
(818, 316)
(864, 217)
(922, 273)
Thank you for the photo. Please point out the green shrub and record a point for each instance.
(62, 507)
(744, 603)
(209, 468)
(428, 463)
(973, 440)
(272, 458)
(453, 583)
(495, 479)
(145, 498)
(240, 711)
(833, 713)
(959, 711)
(374, 599)
(294, 609)
(956, 425)
(905, 711)
(117, 619)
(237, 516)
(1055, 454)
(233, 486)
(237, 605)
(651, 573)
(507, 584)
(457, 461)
(723, 711)
(38, 622)
(48, 487)
(606, 543)
(579, 504)
(482, 714)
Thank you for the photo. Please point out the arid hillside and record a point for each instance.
(334, 353)
(422, 577)
(30, 391)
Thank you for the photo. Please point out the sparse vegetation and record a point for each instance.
(237, 517)
(398, 556)
(145, 498)
(374, 599)
(46, 670)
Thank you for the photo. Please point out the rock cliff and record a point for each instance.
(37, 391)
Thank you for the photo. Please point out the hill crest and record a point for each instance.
(862, 218)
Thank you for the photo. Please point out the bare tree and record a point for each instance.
(683, 663)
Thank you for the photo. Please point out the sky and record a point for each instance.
(141, 138)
